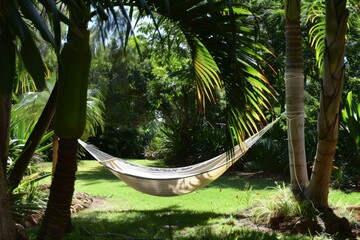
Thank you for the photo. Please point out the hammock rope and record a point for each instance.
(173, 181)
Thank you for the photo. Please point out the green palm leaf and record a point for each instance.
(351, 117)
(29, 52)
(51, 8)
(31, 13)
(225, 54)
(217, 28)
(314, 13)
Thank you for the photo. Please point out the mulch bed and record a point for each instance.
(327, 223)
(80, 202)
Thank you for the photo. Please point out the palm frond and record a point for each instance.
(207, 78)
(228, 35)
(314, 13)
(225, 53)
(351, 117)
(94, 113)
(23, 20)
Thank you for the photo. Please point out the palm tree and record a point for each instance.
(333, 49)
(213, 25)
(13, 26)
(196, 20)
(42, 106)
(336, 17)
(330, 96)
(294, 83)
(7, 73)
(69, 120)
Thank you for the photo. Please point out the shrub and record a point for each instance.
(121, 141)
(282, 205)
(28, 198)
(180, 146)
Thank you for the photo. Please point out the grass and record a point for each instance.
(209, 213)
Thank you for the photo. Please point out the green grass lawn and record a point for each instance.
(209, 213)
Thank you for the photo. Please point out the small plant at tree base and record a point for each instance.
(283, 212)
(28, 198)
(282, 206)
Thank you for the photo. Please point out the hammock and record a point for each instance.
(173, 181)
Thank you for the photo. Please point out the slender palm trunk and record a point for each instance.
(55, 151)
(7, 225)
(7, 74)
(61, 191)
(33, 141)
(5, 110)
(294, 83)
(330, 97)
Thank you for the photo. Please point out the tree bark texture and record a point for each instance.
(61, 191)
(55, 152)
(7, 225)
(294, 89)
(7, 74)
(330, 97)
(5, 110)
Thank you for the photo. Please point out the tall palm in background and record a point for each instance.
(294, 83)
(330, 97)
(329, 43)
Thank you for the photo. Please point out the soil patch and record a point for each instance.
(261, 175)
(327, 223)
(80, 202)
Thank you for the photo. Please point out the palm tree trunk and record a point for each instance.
(7, 74)
(330, 97)
(7, 225)
(5, 110)
(55, 153)
(69, 123)
(61, 191)
(294, 83)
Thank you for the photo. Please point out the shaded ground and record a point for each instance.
(80, 202)
(327, 223)
(338, 227)
(162, 217)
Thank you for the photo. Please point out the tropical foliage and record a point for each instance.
(348, 173)
(15, 23)
(190, 54)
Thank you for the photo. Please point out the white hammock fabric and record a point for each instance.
(173, 181)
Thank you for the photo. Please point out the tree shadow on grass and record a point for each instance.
(99, 173)
(238, 182)
(166, 223)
